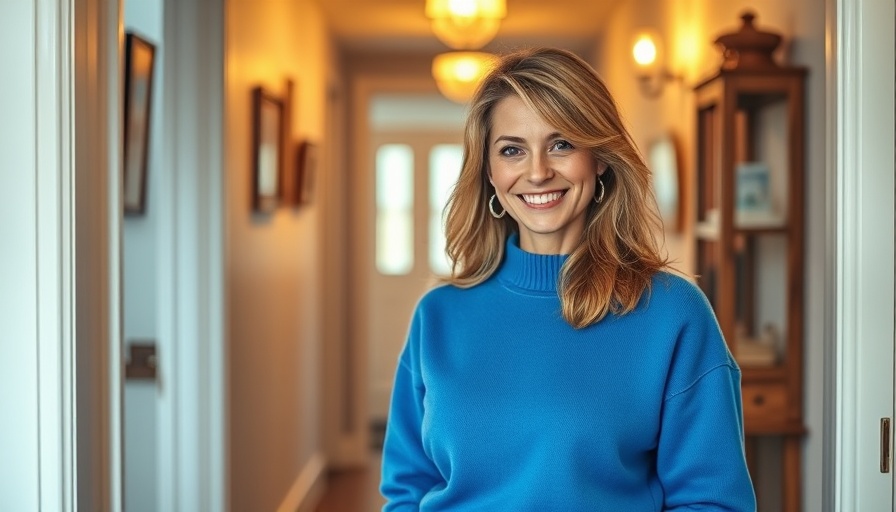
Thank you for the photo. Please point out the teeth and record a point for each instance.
(541, 198)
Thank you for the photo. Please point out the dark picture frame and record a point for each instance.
(306, 169)
(267, 150)
(139, 71)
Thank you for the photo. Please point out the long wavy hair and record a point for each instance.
(612, 266)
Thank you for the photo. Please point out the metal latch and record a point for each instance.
(141, 361)
(885, 445)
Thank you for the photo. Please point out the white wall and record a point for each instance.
(688, 28)
(19, 474)
(272, 268)
(139, 286)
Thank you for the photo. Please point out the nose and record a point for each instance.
(540, 169)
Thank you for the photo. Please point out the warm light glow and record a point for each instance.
(652, 73)
(457, 74)
(466, 24)
(644, 50)
(495, 9)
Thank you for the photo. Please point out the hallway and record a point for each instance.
(355, 490)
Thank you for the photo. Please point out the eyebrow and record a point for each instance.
(520, 140)
(510, 138)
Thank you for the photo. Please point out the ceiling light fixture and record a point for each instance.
(458, 74)
(466, 24)
(463, 25)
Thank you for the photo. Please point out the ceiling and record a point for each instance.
(400, 25)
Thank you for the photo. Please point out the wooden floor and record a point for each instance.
(354, 491)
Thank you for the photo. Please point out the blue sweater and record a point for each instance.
(500, 405)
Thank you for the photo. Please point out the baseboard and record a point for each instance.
(308, 489)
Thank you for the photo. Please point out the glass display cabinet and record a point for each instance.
(749, 233)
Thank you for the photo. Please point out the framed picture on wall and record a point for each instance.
(139, 70)
(267, 150)
(306, 165)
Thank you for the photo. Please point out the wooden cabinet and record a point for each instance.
(749, 233)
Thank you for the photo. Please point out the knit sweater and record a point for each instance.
(500, 405)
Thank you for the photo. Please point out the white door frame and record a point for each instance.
(73, 227)
(94, 111)
(78, 232)
(78, 93)
(860, 274)
(192, 407)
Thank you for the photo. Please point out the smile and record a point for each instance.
(541, 199)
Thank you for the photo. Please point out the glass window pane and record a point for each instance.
(394, 209)
(444, 168)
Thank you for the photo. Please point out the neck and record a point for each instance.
(530, 271)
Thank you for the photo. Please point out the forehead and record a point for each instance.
(512, 117)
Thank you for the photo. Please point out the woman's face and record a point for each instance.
(543, 181)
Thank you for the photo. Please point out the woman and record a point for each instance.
(561, 368)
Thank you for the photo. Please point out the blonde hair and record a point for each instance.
(614, 264)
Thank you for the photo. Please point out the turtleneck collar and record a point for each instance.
(528, 271)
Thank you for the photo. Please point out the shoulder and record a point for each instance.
(438, 296)
(676, 308)
(453, 296)
(676, 296)
(675, 286)
(446, 306)
(699, 345)
(438, 301)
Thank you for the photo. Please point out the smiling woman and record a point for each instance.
(560, 366)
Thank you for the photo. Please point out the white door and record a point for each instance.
(414, 172)
(861, 147)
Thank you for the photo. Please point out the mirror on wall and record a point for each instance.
(663, 160)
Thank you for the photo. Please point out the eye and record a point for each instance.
(510, 151)
(561, 145)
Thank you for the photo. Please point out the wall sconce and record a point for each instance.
(457, 74)
(648, 55)
(466, 24)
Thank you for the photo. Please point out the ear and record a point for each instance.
(601, 167)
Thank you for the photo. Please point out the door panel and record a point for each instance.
(392, 297)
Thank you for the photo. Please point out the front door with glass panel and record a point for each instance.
(414, 175)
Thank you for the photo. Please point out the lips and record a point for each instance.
(541, 199)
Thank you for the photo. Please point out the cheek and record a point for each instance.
(586, 171)
(500, 177)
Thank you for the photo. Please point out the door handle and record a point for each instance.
(142, 361)
(885, 445)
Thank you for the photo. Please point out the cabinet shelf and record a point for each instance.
(758, 374)
(775, 428)
(706, 231)
(710, 232)
(762, 230)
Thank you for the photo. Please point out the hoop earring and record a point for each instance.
(491, 208)
(599, 198)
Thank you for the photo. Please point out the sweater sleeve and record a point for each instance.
(407, 472)
(700, 456)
